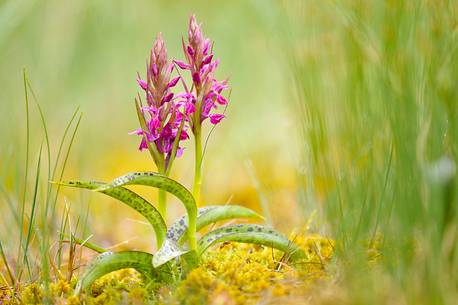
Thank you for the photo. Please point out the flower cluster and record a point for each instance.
(207, 93)
(166, 113)
(162, 113)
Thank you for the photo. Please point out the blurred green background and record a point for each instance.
(87, 53)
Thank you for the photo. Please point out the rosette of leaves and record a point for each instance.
(179, 250)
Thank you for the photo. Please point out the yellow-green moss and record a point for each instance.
(32, 294)
(124, 286)
(7, 297)
(242, 273)
(60, 289)
(319, 251)
(229, 274)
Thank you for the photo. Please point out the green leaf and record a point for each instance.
(130, 198)
(111, 261)
(167, 252)
(253, 234)
(176, 234)
(208, 215)
(165, 183)
(188, 262)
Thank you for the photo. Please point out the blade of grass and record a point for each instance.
(67, 154)
(7, 266)
(32, 216)
(24, 194)
(62, 229)
(44, 245)
(64, 217)
(257, 185)
(86, 243)
(382, 197)
(62, 141)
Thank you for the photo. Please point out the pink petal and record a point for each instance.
(184, 135)
(154, 69)
(143, 145)
(190, 50)
(206, 46)
(182, 64)
(216, 118)
(173, 82)
(221, 100)
(190, 108)
(207, 59)
(167, 98)
(136, 132)
(180, 151)
(196, 77)
(143, 84)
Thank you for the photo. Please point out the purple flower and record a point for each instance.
(216, 118)
(173, 82)
(142, 84)
(202, 66)
(163, 113)
(158, 72)
(182, 64)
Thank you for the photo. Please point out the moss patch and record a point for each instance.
(229, 274)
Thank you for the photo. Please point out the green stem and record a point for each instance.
(162, 195)
(192, 222)
(198, 166)
(162, 203)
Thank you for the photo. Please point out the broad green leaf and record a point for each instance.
(130, 198)
(206, 215)
(209, 215)
(253, 234)
(188, 262)
(111, 261)
(165, 183)
(167, 252)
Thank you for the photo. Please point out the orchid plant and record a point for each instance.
(166, 119)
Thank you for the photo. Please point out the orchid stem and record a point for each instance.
(162, 203)
(198, 166)
(162, 194)
(192, 233)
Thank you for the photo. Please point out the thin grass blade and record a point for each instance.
(87, 244)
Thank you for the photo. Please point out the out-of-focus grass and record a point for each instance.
(376, 89)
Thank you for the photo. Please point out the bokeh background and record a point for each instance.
(87, 53)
